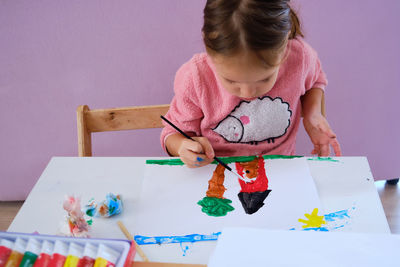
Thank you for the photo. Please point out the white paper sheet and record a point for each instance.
(168, 204)
(303, 248)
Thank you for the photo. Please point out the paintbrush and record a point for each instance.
(246, 180)
(130, 237)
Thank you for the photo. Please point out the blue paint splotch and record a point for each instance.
(151, 240)
(160, 240)
(184, 248)
(342, 214)
(335, 221)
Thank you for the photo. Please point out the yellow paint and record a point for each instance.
(100, 262)
(71, 261)
(314, 221)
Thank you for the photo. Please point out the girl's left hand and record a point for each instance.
(321, 135)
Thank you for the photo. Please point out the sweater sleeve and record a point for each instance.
(315, 77)
(184, 111)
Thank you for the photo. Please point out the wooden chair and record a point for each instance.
(117, 119)
(114, 119)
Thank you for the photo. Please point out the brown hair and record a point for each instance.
(231, 25)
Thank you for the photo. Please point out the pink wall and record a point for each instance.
(56, 55)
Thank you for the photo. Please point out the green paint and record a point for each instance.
(280, 157)
(226, 160)
(90, 222)
(216, 207)
(90, 212)
(28, 260)
(323, 159)
(165, 161)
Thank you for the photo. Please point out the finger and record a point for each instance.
(187, 163)
(194, 160)
(202, 160)
(315, 150)
(194, 146)
(336, 147)
(208, 149)
(325, 151)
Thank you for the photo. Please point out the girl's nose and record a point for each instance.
(247, 91)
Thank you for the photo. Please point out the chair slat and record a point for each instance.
(131, 118)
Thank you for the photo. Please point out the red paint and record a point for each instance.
(57, 260)
(131, 256)
(85, 262)
(5, 252)
(43, 260)
(260, 184)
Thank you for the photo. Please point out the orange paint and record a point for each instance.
(250, 168)
(216, 183)
(17, 253)
(14, 259)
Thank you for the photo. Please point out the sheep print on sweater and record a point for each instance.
(236, 127)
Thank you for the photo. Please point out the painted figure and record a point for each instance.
(254, 193)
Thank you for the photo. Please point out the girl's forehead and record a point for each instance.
(245, 57)
(243, 67)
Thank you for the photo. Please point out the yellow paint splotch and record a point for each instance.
(314, 221)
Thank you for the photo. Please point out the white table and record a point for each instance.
(341, 185)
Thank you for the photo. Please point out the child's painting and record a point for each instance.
(254, 188)
(279, 194)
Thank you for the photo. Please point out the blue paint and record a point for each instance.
(342, 214)
(184, 249)
(335, 219)
(150, 240)
(318, 229)
(200, 159)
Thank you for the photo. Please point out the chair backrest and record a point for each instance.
(115, 119)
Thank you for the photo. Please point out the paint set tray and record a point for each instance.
(125, 248)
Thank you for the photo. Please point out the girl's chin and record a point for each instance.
(248, 99)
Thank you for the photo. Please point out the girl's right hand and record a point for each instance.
(196, 153)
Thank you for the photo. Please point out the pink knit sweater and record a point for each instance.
(235, 127)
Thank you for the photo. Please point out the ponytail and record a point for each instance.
(296, 27)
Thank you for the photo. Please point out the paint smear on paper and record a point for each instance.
(342, 214)
(313, 220)
(216, 207)
(341, 217)
(334, 221)
(226, 160)
(184, 248)
(214, 203)
(323, 159)
(151, 240)
(216, 188)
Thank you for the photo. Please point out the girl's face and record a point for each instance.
(245, 75)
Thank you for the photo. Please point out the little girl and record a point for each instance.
(247, 93)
